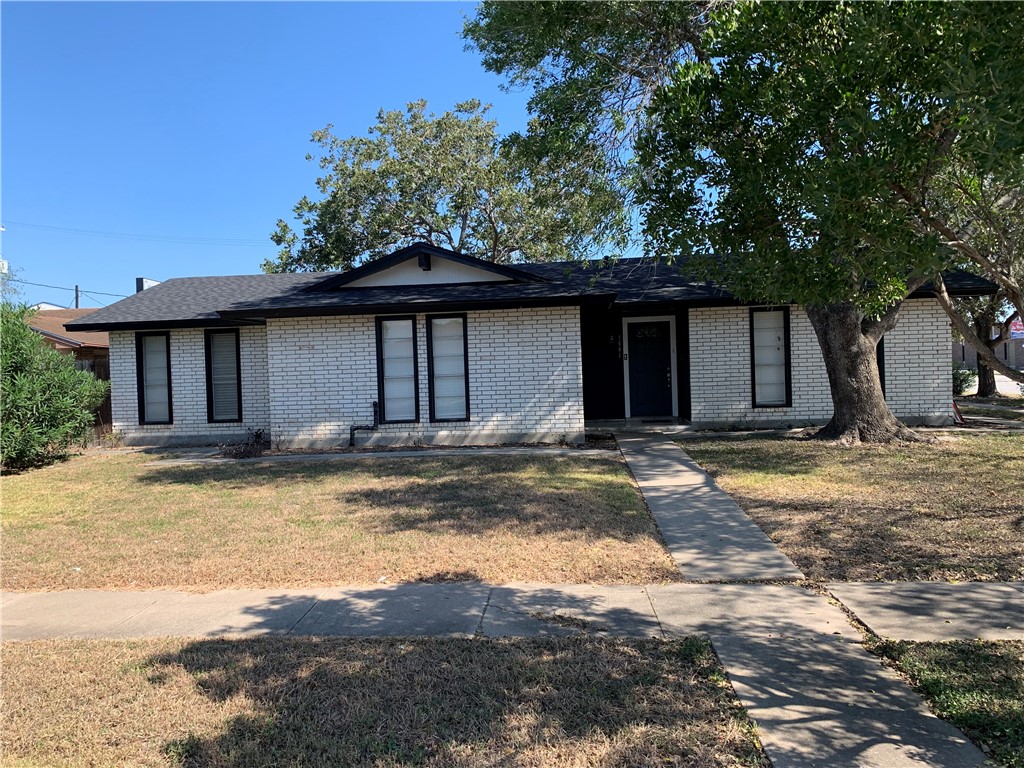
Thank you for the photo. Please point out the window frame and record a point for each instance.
(140, 376)
(788, 359)
(208, 350)
(379, 328)
(430, 363)
(880, 362)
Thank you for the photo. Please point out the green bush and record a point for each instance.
(963, 378)
(45, 404)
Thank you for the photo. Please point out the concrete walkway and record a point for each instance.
(708, 535)
(818, 697)
(902, 611)
(937, 611)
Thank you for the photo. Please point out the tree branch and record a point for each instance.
(970, 337)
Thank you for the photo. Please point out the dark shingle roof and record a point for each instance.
(212, 301)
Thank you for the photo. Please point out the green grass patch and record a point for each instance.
(976, 685)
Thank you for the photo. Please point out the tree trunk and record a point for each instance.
(986, 375)
(848, 345)
(986, 380)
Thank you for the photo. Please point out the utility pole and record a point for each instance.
(76, 297)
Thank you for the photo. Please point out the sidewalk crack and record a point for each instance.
(657, 618)
(316, 601)
(480, 624)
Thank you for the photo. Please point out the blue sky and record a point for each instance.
(188, 124)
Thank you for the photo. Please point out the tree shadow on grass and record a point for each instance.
(840, 541)
(453, 701)
(470, 496)
(795, 456)
(977, 685)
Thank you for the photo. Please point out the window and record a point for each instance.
(446, 355)
(223, 376)
(397, 375)
(153, 370)
(769, 358)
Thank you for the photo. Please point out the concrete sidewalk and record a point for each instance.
(794, 659)
(465, 609)
(819, 699)
(935, 610)
(708, 535)
(901, 611)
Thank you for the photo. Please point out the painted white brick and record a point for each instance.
(918, 381)
(525, 377)
(188, 390)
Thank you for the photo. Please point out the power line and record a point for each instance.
(63, 288)
(179, 239)
(91, 296)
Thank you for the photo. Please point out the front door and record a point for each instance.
(649, 366)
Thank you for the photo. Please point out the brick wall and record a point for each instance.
(188, 390)
(918, 374)
(917, 371)
(525, 376)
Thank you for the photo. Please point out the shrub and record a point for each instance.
(45, 404)
(963, 378)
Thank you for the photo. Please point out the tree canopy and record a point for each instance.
(808, 147)
(592, 70)
(451, 181)
(804, 160)
(797, 152)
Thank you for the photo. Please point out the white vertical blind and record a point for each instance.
(398, 354)
(224, 377)
(448, 360)
(769, 358)
(155, 379)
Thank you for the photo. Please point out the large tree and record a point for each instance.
(451, 181)
(592, 70)
(800, 162)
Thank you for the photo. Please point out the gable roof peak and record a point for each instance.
(424, 252)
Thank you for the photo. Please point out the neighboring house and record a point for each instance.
(90, 348)
(1010, 352)
(458, 350)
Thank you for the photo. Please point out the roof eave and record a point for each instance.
(150, 325)
(416, 307)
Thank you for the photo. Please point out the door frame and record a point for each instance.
(671, 320)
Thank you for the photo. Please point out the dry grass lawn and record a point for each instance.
(948, 510)
(111, 522)
(992, 413)
(284, 701)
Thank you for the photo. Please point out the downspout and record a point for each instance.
(365, 427)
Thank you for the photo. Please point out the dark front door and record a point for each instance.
(650, 368)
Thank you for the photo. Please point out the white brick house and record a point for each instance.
(454, 350)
